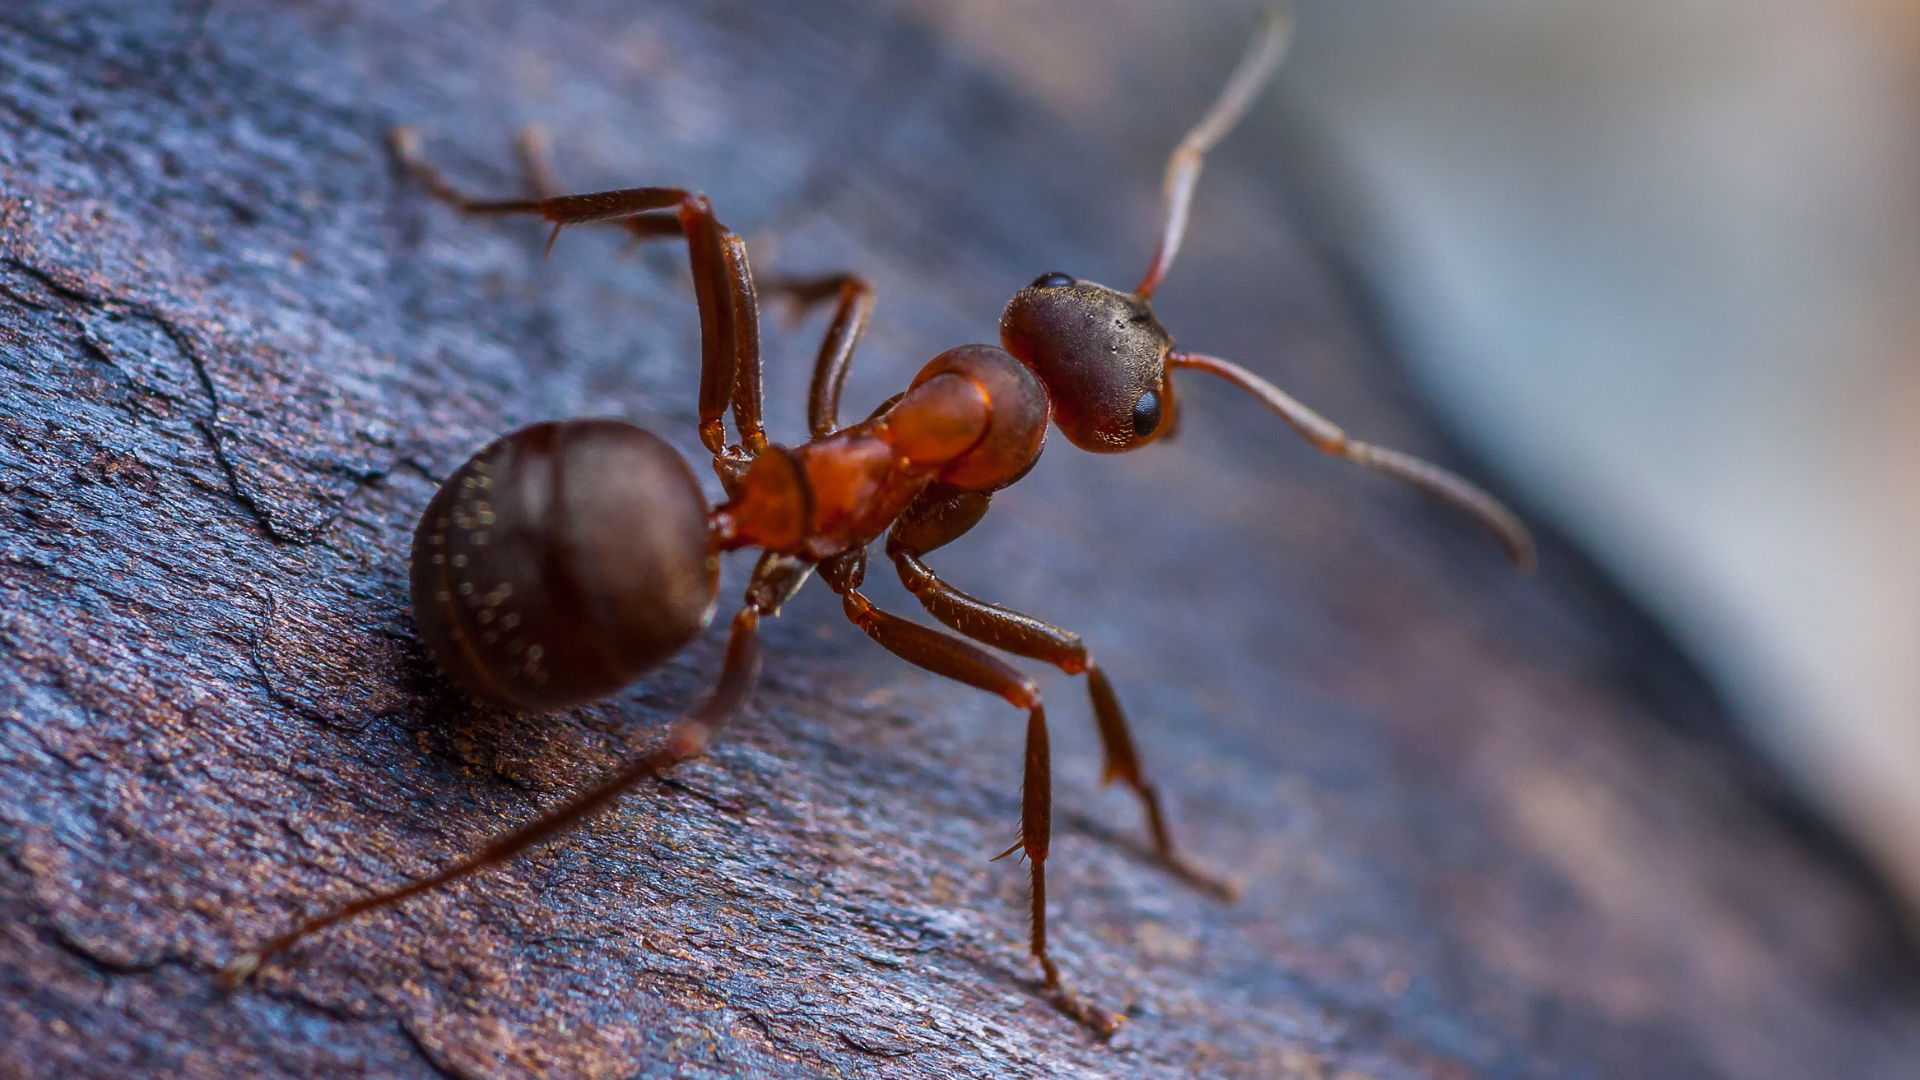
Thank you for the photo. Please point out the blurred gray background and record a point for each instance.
(1656, 263)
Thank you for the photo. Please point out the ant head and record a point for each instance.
(1102, 356)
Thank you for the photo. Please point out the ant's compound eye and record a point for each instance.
(1146, 415)
(1050, 281)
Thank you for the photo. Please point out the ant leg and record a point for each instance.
(854, 304)
(962, 662)
(534, 150)
(932, 523)
(653, 226)
(775, 580)
(536, 161)
(722, 284)
(729, 311)
(946, 655)
(405, 144)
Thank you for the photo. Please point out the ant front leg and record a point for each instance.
(722, 285)
(938, 518)
(853, 296)
(960, 661)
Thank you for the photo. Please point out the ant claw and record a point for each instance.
(1104, 1023)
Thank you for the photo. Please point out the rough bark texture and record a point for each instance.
(1480, 833)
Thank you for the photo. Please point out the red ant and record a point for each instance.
(568, 558)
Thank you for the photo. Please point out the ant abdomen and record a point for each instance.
(561, 563)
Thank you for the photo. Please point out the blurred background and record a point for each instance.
(1656, 263)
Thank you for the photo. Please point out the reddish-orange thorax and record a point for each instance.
(974, 419)
(840, 492)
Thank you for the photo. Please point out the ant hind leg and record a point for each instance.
(775, 581)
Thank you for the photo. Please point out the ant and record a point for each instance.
(568, 558)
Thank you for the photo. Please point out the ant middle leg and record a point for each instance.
(944, 516)
(722, 285)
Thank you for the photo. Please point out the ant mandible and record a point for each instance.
(568, 558)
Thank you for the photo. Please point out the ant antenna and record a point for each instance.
(1183, 171)
(1329, 438)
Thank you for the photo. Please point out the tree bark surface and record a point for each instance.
(1486, 825)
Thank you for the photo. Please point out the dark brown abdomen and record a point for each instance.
(561, 563)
